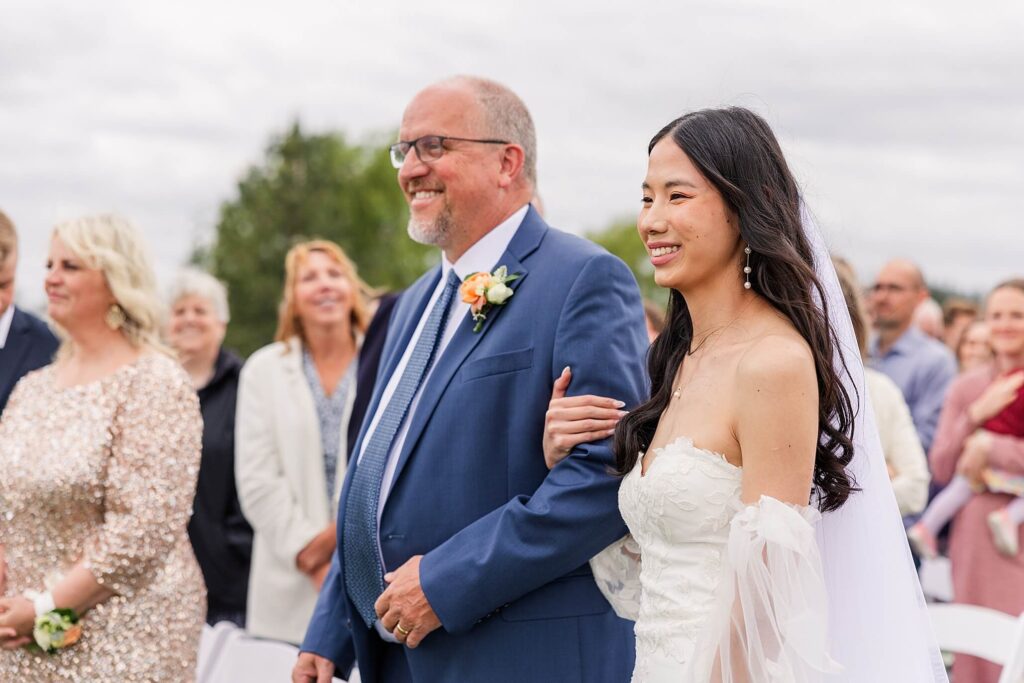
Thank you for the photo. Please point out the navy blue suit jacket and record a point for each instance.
(505, 541)
(30, 345)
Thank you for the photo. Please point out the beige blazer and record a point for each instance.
(900, 443)
(279, 469)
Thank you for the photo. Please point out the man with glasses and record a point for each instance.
(922, 367)
(26, 343)
(461, 557)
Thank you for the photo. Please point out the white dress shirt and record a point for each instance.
(5, 325)
(482, 256)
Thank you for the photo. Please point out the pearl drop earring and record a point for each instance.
(747, 269)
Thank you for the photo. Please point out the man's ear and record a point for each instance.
(512, 160)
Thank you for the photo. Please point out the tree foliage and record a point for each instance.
(308, 187)
(621, 239)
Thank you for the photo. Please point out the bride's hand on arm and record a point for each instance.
(575, 420)
(777, 420)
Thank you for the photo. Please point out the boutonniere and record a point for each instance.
(482, 291)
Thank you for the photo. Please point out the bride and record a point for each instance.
(752, 433)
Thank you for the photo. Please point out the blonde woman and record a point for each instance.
(99, 460)
(295, 401)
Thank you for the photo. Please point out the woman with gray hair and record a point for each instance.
(99, 461)
(220, 535)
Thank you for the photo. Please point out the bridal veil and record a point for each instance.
(809, 598)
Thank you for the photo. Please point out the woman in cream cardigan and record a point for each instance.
(904, 455)
(295, 401)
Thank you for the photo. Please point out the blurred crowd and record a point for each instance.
(945, 381)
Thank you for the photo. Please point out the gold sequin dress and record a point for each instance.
(106, 471)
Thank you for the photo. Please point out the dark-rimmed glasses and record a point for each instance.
(429, 147)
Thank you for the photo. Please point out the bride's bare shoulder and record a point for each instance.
(779, 356)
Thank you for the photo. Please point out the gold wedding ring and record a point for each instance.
(398, 627)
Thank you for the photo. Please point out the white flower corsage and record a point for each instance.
(482, 291)
(56, 630)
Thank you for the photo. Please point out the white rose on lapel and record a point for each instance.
(498, 294)
(482, 291)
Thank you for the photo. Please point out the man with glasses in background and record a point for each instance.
(922, 367)
(461, 557)
(26, 343)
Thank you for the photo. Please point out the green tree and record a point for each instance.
(306, 187)
(621, 239)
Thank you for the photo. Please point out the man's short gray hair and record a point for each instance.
(506, 118)
(193, 282)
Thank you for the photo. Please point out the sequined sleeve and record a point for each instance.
(151, 478)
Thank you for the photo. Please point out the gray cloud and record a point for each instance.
(902, 121)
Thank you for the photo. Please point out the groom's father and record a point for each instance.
(461, 558)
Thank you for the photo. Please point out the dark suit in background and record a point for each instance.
(30, 345)
(369, 364)
(220, 535)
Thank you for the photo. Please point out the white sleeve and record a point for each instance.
(770, 619)
(617, 572)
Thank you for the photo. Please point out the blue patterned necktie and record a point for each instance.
(364, 576)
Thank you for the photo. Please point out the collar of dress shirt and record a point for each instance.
(484, 255)
(905, 345)
(5, 324)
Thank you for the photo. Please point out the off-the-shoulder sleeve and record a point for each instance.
(617, 572)
(771, 615)
(151, 478)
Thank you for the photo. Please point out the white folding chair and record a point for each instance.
(981, 632)
(937, 579)
(244, 658)
(211, 644)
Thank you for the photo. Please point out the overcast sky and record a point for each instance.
(904, 122)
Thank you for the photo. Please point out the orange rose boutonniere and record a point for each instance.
(485, 290)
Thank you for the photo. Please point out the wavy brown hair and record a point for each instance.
(737, 152)
(289, 324)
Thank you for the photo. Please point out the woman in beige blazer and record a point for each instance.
(904, 455)
(295, 399)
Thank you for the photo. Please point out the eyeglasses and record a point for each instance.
(886, 288)
(429, 147)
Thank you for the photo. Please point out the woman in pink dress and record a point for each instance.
(981, 575)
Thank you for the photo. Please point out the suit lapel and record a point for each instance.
(525, 241)
(14, 352)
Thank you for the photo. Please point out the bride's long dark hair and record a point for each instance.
(737, 152)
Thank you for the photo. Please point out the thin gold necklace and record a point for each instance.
(693, 349)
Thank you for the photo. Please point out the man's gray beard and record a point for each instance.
(434, 233)
(887, 324)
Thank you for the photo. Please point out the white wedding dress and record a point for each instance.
(723, 592)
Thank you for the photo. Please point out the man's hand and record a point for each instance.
(317, 552)
(403, 603)
(311, 668)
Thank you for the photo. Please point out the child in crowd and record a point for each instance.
(1002, 523)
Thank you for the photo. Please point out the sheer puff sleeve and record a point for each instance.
(617, 572)
(770, 619)
(151, 477)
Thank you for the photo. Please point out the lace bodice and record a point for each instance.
(678, 512)
(721, 592)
